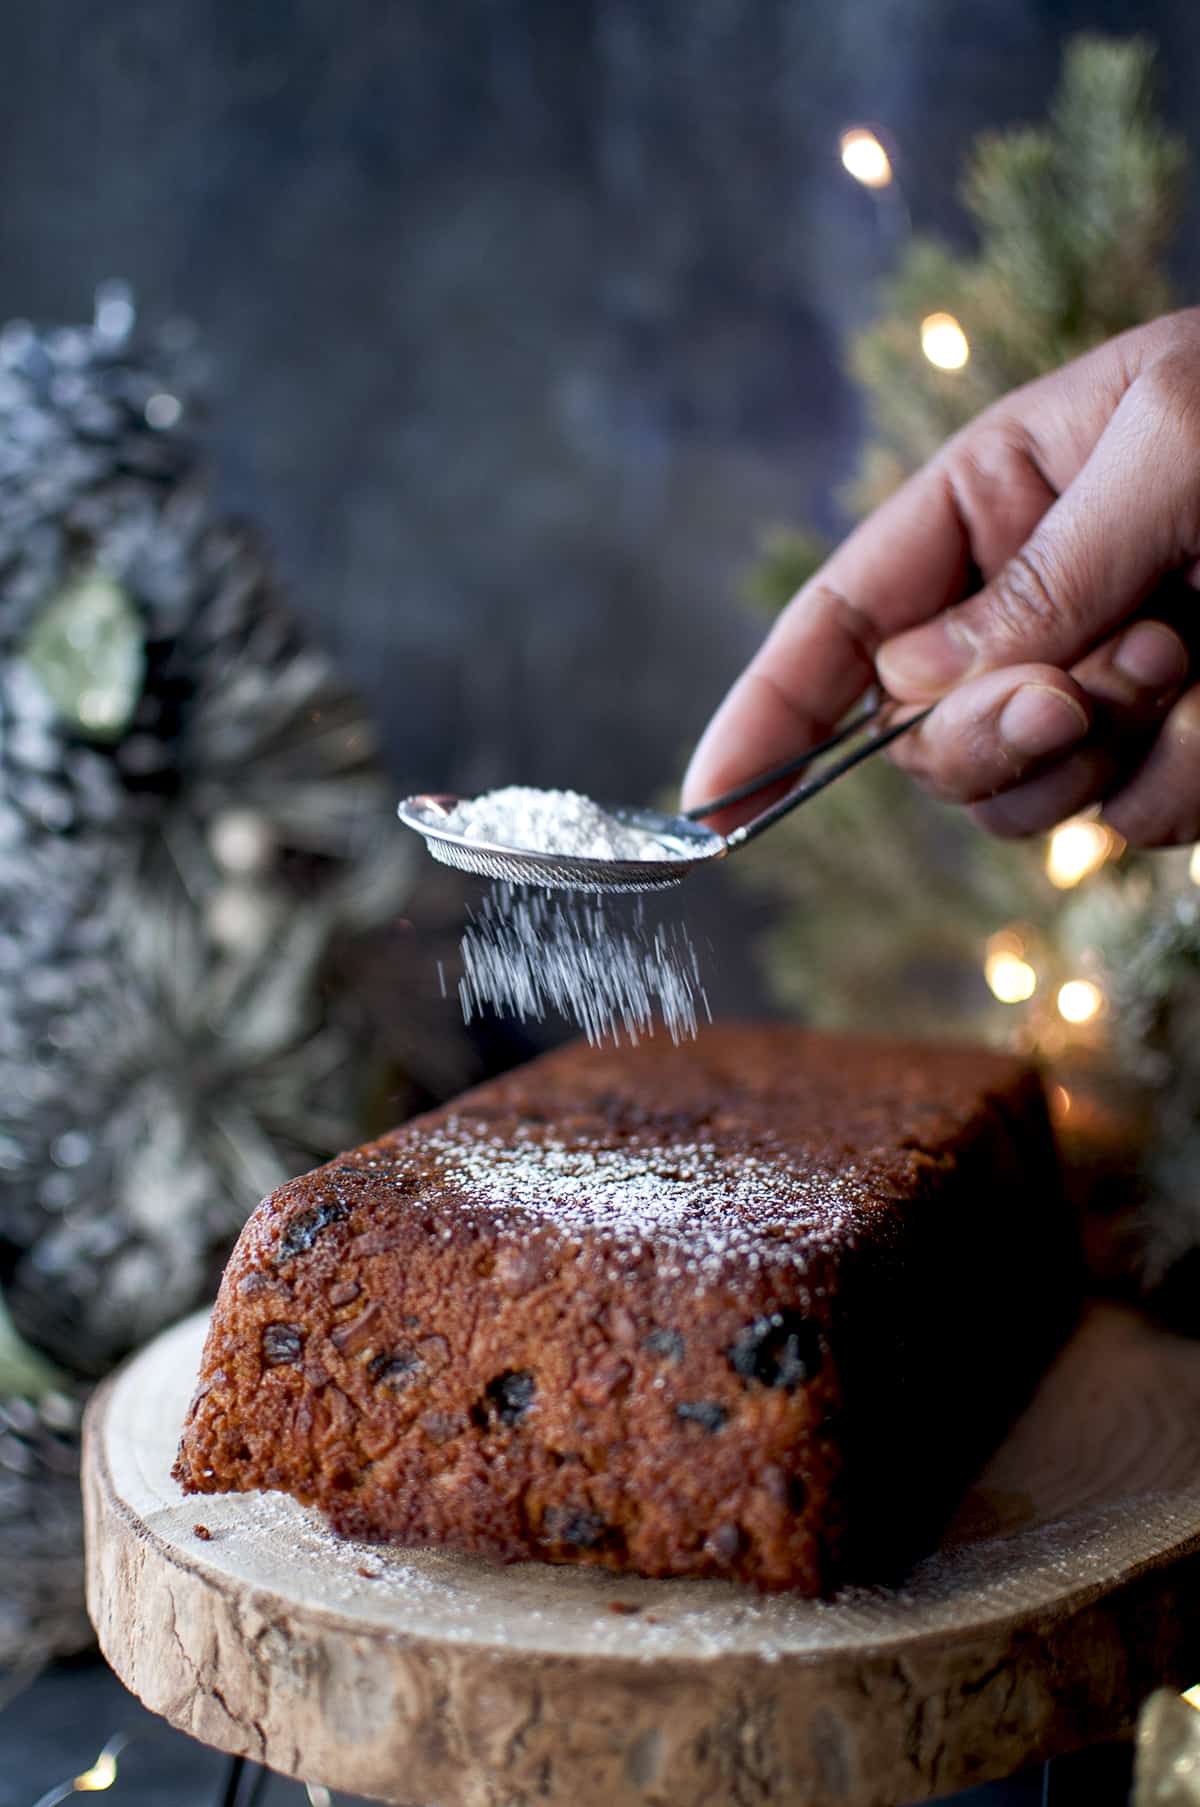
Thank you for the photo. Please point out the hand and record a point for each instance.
(1035, 580)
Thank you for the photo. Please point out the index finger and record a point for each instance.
(910, 559)
(966, 512)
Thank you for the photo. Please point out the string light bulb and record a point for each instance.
(944, 342)
(864, 158)
(101, 1775)
(1010, 978)
(1077, 849)
(1079, 1001)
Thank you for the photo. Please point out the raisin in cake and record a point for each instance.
(753, 1308)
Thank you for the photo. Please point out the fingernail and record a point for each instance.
(1151, 656)
(927, 660)
(1037, 720)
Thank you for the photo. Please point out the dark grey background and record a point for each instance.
(524, 318)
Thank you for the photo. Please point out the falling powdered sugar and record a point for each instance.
(597, 963)
(600, 963)
(562, 822)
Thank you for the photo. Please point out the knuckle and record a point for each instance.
(1170, 387)
(995, 480)
(1166, 352)
(1027, 598)
(856, 628)
(981, 463)
(1178, 332)
(1185, 319)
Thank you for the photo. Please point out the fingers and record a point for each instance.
(1041, 803)
(1130, 517)
(1160, 804)
(997, 733)
(1139, 671)
(912, 557)
(1071, 500)
(962, 516)
(819, 657)
(988, 735)
(1130, 685)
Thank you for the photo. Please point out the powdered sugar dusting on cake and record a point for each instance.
(697, 1206)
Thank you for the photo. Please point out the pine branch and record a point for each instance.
(1072, 218)
(889, 898)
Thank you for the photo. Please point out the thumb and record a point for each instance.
(1130, 517)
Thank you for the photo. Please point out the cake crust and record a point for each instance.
(753, 1308)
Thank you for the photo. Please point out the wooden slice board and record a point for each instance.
(1068, 1587)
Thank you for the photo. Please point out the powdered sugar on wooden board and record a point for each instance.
(521, 1606)
(267, 1541)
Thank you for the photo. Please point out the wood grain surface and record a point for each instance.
(1066, 1588)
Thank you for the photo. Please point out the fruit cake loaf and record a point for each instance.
(752, 1308)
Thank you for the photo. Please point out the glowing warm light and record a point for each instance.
(1010, 978)
(864, 158)
(1061, 1101)
(944, 342)
(1192, 1696)
(1194, 866)
(95, 1780)
(101, 1775)
(1077, 849)
(1079, 1001)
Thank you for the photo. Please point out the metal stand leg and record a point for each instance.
(232, 1794)
(233, 1780)
(1101, 1776)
